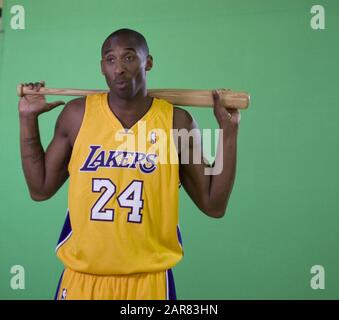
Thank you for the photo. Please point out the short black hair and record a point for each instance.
(138, 37)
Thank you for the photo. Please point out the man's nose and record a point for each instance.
(119, 67)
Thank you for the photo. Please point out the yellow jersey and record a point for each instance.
(123, 193)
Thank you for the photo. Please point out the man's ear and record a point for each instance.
(149, 62)
(101, 66)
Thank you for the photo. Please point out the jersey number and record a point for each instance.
(128, 198)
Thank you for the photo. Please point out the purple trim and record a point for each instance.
(171, 285)
(58, 287)
(66, 229)
(179, 235)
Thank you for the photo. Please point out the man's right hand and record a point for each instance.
(34, 105)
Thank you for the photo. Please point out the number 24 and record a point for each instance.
(128, 198)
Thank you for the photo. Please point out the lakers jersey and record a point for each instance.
(123, 193)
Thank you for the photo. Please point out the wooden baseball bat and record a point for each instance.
(181, 97)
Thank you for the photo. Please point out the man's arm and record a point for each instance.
(45, 172)
(209, 192)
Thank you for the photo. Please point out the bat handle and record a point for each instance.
(22, 91)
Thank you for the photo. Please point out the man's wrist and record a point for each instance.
(230, 131)
(28, 116)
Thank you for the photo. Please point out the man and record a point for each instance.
(121, 236)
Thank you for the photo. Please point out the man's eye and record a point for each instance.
(129, 58)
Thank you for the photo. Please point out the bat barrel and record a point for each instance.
(202, 98)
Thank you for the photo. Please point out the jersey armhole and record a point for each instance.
(76, 146)
(172, 147)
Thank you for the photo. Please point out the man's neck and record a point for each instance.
(130, 111)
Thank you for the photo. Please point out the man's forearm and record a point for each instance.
(221, 183)
(32, 154)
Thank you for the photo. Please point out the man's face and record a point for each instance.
(124, 65)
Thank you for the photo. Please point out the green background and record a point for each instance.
(283, 215)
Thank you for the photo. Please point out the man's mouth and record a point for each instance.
(121, 84)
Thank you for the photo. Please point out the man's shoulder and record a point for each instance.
(181, 119)
(75, 105)
(71, 116)
(74, 108)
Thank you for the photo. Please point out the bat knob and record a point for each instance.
(20, 90)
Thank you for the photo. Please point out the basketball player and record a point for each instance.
(121, 236)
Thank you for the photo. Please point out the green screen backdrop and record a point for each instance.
(283, 214)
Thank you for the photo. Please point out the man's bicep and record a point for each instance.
(192, 162)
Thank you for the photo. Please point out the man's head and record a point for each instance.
(125, 59)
